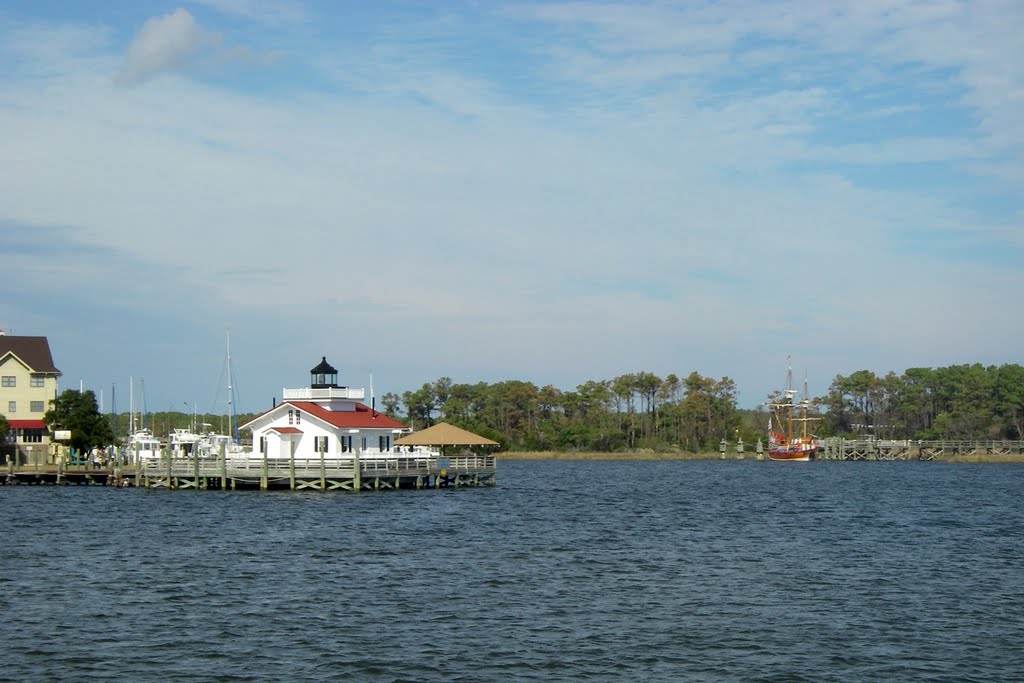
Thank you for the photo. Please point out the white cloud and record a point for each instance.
(165, 44)
(177, 43)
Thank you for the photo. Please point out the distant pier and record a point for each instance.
(910, 449)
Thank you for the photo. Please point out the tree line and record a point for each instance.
(643, 411)
(955, 402)
(632, 411)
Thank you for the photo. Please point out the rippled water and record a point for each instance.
(603, 571)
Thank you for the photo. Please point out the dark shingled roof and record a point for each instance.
(324, 368)
(32, 351)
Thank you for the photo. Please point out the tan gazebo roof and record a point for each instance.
(444, 434)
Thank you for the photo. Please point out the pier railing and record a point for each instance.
(910, 449)
(393, 465)
(320, 394)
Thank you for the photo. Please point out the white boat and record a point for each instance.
(182, 442)
(142, 446)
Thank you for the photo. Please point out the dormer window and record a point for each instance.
(323, 376)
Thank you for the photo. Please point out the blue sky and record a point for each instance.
(546, 191)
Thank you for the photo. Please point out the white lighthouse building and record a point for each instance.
(323, 418)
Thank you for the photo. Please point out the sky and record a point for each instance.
(552, 192)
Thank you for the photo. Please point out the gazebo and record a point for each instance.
(444, 434)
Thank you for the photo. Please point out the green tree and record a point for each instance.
(5, 426)
(646, 385)
(442, 388)
(391, 401)
(1009, 396)
(697, 411)
(78, 412)
(420, 406)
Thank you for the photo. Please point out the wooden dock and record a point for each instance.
(317, 474)
(908, 449)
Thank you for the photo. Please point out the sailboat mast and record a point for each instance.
(231, 405)
(131, 405)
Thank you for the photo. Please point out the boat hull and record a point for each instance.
(790, 456)
(799, 450)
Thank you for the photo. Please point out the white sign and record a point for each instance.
(62, 435)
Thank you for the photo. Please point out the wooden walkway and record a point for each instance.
(882, 449)
(316, 474)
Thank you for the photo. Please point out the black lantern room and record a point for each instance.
(323, 376)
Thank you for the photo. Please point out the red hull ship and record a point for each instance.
(783, 443)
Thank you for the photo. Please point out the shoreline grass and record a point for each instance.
(596, 456)
(589, 455)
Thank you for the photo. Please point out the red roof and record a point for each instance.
(27, 424)
(286, 430)
(361, 417)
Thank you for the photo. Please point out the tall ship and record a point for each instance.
(788, 439)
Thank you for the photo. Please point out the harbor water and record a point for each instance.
(582, 571)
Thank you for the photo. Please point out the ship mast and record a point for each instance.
(789, 399)
(805, 403)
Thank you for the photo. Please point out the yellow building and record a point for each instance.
(28, 387)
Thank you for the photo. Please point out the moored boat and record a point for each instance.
(142, 446)
(787, 417)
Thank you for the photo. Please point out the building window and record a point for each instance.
(263, 444)
(290, 418)
(37, 381)
(12, 407)
(362, 443)
(346, 444)
(385, 443)
(36, 406)
(298, 416)
(320, 444)
(9, 381)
